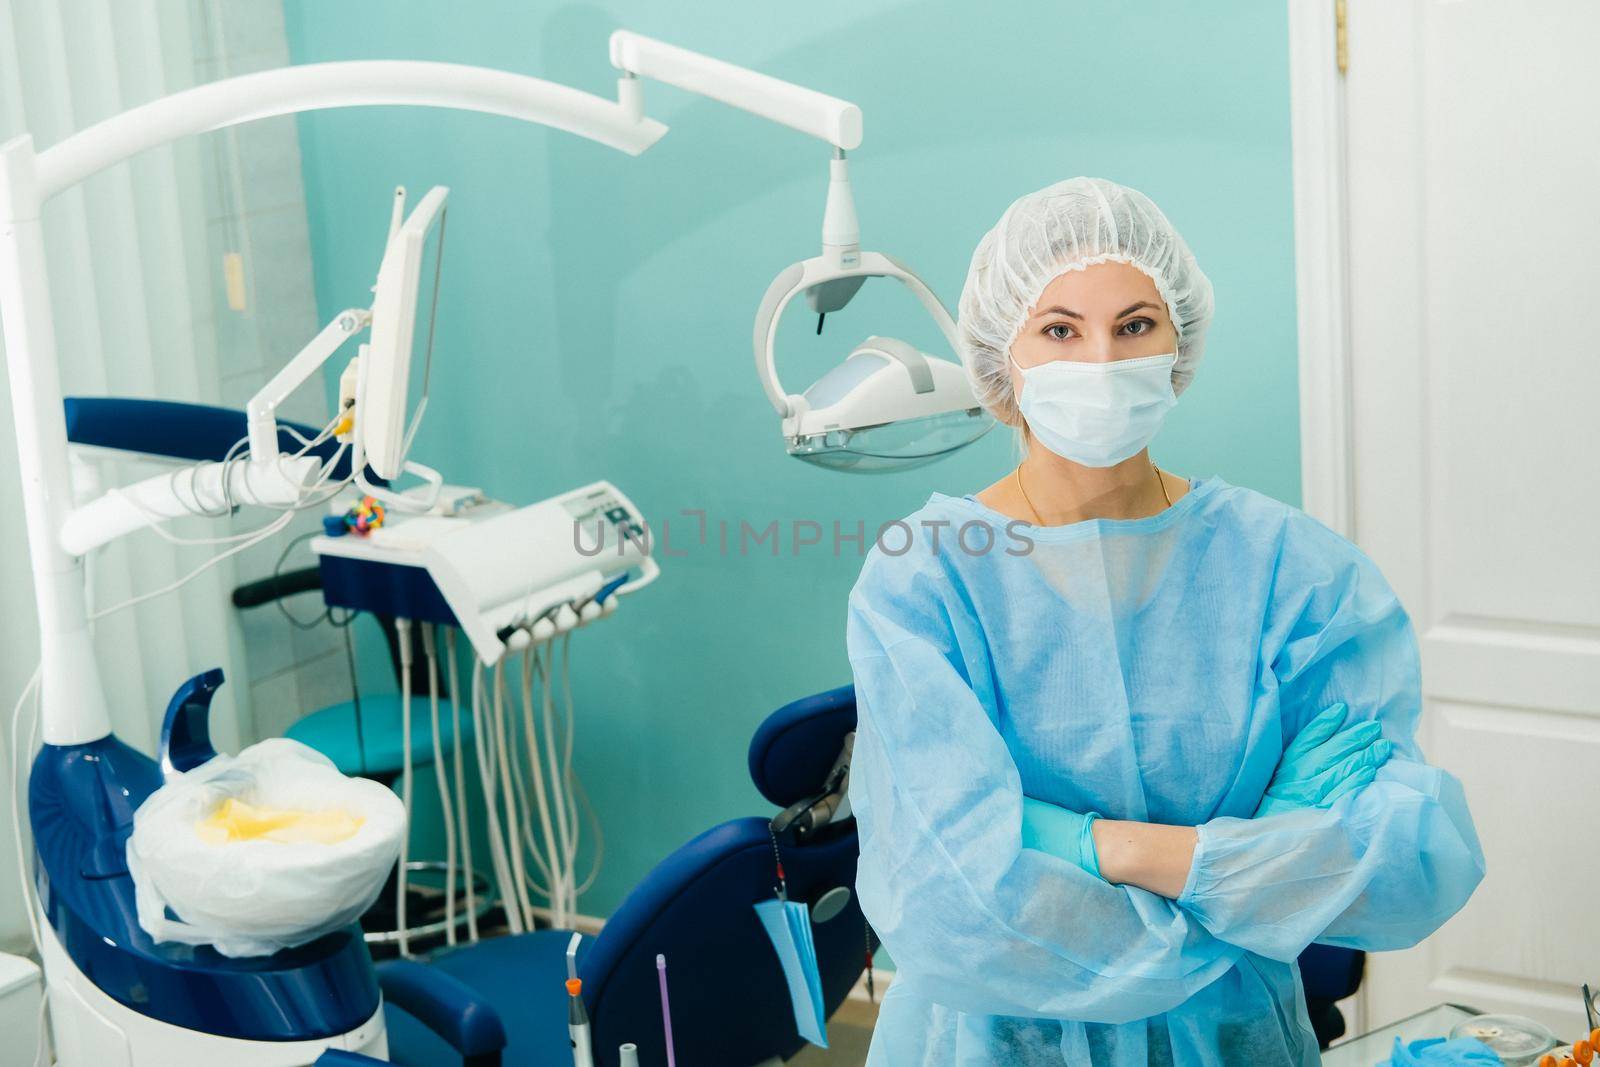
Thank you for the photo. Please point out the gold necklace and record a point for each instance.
(1039, 519)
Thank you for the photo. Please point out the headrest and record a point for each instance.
(795, 748)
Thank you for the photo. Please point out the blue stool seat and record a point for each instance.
(521, 977)
(332, 732)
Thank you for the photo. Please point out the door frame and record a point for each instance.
(1321, 267)
(1321, 262)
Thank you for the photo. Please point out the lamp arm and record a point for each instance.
(318, 86)
(828, 118)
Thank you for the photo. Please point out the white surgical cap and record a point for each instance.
(1069, 226)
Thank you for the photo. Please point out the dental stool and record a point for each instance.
(730, 1004)
(368, 745)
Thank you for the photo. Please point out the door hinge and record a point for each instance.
(1341, 36)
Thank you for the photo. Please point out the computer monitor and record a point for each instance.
(400, 354)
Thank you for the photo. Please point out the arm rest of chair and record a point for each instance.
(447, 1006)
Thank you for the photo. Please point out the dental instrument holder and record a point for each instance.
(832, 803)
(506, 577)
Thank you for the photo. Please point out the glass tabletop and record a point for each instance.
(1375, 1047)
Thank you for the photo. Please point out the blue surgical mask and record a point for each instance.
(788, 924)
(1097, 414)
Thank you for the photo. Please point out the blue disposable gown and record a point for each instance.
(1150, 669)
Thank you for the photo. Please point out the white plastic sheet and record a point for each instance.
(254, 897)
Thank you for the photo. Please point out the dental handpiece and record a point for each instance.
(578, 1025)
(577, 1015)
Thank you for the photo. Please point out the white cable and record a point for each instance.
(557, 787)
(305, 499)
(567, 775)
(41, 1051)
(197, 507)
(515, 758)
(166, 535)
(260, 535)
(524, 794)
(480, 751)
(41, 1047)
(568, 798)
(461, 787)
(519, 878)
(481, 730)
(558, 890)
(525, 810)
(307, 445)
(446, 809)
(19, 780)
(599, 836)
(403, 630)
(576, 786)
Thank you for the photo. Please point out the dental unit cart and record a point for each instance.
(505, 576)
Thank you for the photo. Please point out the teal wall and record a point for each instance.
(596, 308)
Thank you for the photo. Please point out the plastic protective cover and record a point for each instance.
(254, 897)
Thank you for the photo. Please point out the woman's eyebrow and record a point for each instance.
(1059, 310)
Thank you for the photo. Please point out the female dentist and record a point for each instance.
(1128, 742)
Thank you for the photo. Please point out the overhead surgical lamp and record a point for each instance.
(888, 406)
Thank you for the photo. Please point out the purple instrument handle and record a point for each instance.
(666, 1009)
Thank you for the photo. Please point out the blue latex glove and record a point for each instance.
(1437, 1052)
(1325, 761)
(1062, 833)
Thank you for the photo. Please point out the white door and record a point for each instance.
(1472, 179)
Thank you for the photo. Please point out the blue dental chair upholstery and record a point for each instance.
(730, 1005)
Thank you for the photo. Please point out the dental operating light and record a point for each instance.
(888, 406)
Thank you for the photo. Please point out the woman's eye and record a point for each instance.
(1145, 326)
(1059, 331)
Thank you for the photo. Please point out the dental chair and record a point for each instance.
(364, 738)
(730, 1005)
